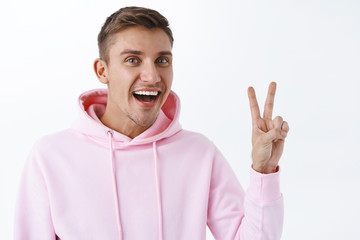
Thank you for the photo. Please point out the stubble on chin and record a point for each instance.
(144, 124)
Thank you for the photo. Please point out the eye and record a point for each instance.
(162, 60)
(132, 60)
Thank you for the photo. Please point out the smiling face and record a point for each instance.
(139, 75)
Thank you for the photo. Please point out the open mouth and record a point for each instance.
(146, 96)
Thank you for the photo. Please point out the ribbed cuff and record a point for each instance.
(264, 187)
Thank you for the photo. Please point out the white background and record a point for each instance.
(310, 48)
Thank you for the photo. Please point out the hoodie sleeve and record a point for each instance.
(32, 215)
(256, 214)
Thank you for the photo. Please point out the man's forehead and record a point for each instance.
(142, 39)
(137, 52)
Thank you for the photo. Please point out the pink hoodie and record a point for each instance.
(90, 182)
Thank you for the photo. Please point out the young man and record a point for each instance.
(126, 169)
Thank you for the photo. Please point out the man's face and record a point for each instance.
(139, 74)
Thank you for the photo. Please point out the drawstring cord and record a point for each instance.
(158, 196)
(115, 185)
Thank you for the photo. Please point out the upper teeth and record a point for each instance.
(151, 93)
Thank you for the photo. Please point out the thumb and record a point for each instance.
(275, 133)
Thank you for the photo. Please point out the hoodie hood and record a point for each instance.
(92, 106)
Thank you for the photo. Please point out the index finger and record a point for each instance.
(254, 106)
(269, 103)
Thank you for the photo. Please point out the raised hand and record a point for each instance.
(268, 135)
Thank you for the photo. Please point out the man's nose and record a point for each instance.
(149, 73)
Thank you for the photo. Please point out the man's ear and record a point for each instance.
(100, 69)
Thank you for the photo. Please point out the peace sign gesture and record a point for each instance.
(268, 135)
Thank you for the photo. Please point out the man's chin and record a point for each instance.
(144, 121)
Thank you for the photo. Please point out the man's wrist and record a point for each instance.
(265, 169)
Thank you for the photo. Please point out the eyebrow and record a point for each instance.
(165, 53)
(136, 52)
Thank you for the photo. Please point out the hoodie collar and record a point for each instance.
(92, 105)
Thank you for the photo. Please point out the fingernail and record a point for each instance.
(283, 133)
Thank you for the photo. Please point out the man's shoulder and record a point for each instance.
(191, 134)
(55, 139)
(192, 137)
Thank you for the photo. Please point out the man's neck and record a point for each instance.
(128, 128)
